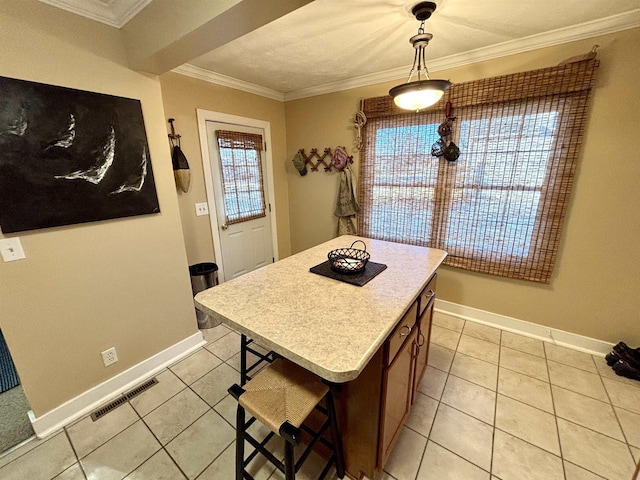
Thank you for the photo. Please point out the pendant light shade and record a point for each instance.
(421, 93)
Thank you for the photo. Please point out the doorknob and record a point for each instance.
(224, 226)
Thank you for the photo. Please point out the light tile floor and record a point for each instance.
(493, 406)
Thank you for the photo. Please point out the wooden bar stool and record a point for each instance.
(282, 396)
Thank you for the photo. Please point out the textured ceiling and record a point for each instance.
(333, 40)
(330, 45)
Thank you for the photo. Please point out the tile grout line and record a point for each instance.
(424, 451)
(553, 404)
(435, 415)
(73, 448)
(209, 409)
(162, 447)
(141, 418)
(439, 403)
(615, 413)
(495, 408)
(555, 412)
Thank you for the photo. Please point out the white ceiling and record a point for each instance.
(330, 45)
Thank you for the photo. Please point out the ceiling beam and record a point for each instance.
(167, 33)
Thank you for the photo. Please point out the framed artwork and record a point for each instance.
(69, 156)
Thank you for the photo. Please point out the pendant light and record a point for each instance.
(423, 92)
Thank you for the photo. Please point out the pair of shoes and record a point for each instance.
(616, 353)
(621, 352)
(623, 369)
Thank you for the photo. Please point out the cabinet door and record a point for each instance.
(422, 347)
(397, 389)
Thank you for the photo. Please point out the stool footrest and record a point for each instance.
(259, 447)
(282, 396)
(315, 436)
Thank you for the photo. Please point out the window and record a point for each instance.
(499, 208)
(241, 174)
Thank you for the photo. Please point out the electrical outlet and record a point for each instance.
(11, 249)
(109, 356)
(202, 209)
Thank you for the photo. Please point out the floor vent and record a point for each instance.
(141, 388)
(102, 411)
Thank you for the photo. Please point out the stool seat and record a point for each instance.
(281, 396)
(282, 392)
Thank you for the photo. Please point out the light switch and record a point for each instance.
(202, 209)
(11, 249)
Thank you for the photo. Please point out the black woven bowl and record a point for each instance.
(349, 260)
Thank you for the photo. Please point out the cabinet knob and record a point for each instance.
(402, 334)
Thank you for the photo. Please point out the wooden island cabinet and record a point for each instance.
(373, 407)
(370, 342)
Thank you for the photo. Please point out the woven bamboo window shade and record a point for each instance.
(500, 207)
(241, 174)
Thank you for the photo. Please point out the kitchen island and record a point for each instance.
(372, 339)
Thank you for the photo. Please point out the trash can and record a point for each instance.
(203, 276)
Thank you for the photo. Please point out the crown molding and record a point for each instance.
(615, 23)
(612, 24)
(219, 79)
(110, 12)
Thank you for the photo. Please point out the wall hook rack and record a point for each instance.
(315, 159)
(173, 136)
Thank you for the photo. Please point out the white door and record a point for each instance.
(242, 212)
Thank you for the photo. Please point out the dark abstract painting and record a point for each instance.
(69, 156)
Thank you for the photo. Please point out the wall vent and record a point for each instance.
(102, 411)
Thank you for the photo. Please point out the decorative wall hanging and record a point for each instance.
(299, 163)
(340, 158)
(70, 156)
(359, 122)
(181, 171)
(444, 146)
(315, 159)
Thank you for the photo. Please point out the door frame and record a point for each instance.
(203, 117)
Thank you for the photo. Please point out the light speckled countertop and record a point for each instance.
(324, 325)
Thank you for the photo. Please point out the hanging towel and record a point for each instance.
(347, 207)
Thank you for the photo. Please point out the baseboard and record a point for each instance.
(97, 396)
(522, 327)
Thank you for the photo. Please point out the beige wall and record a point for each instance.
(85, 288)
(124, 282)
(594, 290)
(182, 96)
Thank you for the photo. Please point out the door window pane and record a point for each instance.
(241, 175)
